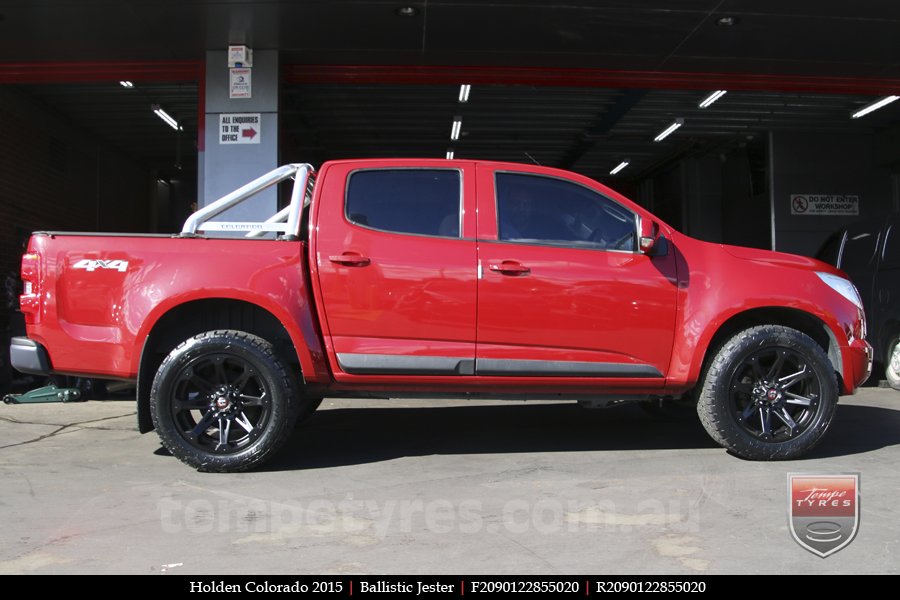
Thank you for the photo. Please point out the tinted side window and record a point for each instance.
(859, 252)
(542, 209)
(891, 257)
(419, 201)
(831, 249)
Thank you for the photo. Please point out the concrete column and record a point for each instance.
(225, 167)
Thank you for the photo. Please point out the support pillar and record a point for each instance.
(227, 166)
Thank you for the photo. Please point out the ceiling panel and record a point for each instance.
(588, 129)
(801, 36)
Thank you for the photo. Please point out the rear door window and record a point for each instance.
(414, 201)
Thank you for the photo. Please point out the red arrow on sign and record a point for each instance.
(248, 133)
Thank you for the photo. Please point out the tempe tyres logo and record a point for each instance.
(823, 511)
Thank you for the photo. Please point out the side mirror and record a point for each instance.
(647, 235)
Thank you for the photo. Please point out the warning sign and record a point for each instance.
(239, 128)
(824, 204)
(239, 83)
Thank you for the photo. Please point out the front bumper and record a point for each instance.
(27, 356)
(858, 358)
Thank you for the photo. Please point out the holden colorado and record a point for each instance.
(454, 278)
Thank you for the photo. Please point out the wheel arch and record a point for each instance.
(192, 317)
(794, 318)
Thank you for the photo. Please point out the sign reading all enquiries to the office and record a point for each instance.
(825, 204)
(239, 128)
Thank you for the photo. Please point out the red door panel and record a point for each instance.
(576, 305)
(394, 302)
(557, 309)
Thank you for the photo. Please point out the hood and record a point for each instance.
(780, 259)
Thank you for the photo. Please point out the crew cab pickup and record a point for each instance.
(385, 278)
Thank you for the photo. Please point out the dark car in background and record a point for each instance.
(869, 252)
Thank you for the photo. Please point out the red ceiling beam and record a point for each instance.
(163, 71)
(100, 71)
(444, 75)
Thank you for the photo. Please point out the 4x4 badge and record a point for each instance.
(90, 264)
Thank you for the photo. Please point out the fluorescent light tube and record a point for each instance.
(126, 84)
(464, 90)
(619, 167)
(449, 154)
(873, 106)
(706, 102)
(456, 128)
(170, 121)
(668, 130)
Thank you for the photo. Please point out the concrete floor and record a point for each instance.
(371, 487)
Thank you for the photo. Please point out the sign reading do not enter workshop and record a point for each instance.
(824, 204)
(239, 128)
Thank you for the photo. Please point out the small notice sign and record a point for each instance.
(239, 83)
(239, 128)
(825, 204)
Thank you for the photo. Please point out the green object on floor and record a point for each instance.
(48, 393)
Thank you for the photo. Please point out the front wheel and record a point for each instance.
(222, 401)
(892, 363)
(768, 394)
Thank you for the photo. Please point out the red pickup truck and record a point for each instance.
(384, 278)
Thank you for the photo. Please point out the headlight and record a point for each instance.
(843, 287)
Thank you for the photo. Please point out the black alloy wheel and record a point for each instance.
(223, 401)
(769, 393)
(775, 394)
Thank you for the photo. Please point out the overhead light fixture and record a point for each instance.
(464, 90)
(727, 21)
(881, 102)
(406, 11)
(620, 166)
(668, 130)
(170, 121)
(126, 84)
(456, 128)
(450, 154)
(706, 102)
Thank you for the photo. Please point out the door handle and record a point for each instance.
(510, 267)
(350, 259)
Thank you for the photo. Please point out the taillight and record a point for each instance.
(30, 300)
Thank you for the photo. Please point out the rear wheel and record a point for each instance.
(223, 401)
(768, 394)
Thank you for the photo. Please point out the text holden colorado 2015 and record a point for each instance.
(264, 586)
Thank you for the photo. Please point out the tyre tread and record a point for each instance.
(719, 423)
(258, 453)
